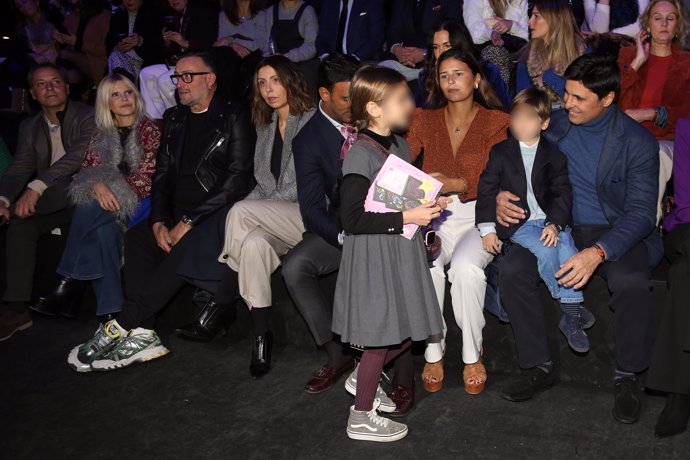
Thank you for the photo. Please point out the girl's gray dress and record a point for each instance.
(385, 293)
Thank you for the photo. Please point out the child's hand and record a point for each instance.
(422, 215)
(491, 243)
(444, 201)
(549, 236)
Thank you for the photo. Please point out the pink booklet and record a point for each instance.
(399, 186)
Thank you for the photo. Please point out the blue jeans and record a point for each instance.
(549, 260)
(93, 253)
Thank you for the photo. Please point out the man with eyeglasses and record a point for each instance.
(33, 190)
(204, 165)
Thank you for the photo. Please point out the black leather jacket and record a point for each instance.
(225, 170)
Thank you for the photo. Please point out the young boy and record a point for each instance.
(536, 171)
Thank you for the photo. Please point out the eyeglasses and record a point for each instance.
(186, 77)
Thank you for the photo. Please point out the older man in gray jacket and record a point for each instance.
(33, 197)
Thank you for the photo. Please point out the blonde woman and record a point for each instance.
(554, 44)
(114, 179)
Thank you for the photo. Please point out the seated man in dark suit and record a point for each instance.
(134, 39)
(354, 27)
(612, 166)
(33, 190)
(410, 22)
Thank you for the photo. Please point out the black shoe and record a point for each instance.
(13, 320)
(674, 418)
(627, 406)
(212, 319)
(261, 355)
(65, 299)
(528, 384)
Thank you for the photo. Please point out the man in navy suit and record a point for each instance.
(317, 154)
(354, 27)
(613, 167)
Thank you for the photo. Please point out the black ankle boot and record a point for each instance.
(261, 355)
(674, 418)
(61, 299)
(212, 319)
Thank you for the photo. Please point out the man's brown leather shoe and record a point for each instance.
(325, 378)
(403, 397)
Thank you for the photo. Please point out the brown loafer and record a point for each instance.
(403, 397)
(326, 376)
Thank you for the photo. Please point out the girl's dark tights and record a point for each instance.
(369, 372)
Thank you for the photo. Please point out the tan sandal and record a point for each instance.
(474, 376)
(432, 376)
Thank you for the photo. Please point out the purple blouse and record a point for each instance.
(681, 177)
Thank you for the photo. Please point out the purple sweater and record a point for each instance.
(681, 177)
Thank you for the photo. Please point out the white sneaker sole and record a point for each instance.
(74, 362)
(385, 406)
(376, 437)
(141, 357)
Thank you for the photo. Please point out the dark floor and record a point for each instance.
(199, 402)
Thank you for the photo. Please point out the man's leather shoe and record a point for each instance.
(627, 406)
(261, 355)
(212, 319)
(65, 299)
(325, 378)
(674, 418)
(403, 397)
(528, 384)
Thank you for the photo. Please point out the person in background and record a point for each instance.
(655, 73)
(409, 25)
(618, 17)
(669, 370)
(133, 39)
(267, 224)
(33, 190)
(191, 27)
(613, 167)
(354, 27)
(293, 27)
(443, 36)
(114, 179)
(555, 42)
(499, 28)
(203, 166)
(241, 27)
(391, 302)
(455, 138)
(84, 44)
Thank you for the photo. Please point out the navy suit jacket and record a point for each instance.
(316, 153)
(627, 183)
(505, 170)
(366, 28)
(402, 26)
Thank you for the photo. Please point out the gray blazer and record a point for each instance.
(32, 158)
(285, 189)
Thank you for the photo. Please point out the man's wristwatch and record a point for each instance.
(187, 221)
(559, 228)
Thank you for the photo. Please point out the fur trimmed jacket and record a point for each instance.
(127, 172)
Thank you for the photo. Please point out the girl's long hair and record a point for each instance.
(294, 83)
(371, 84)
(484, 95)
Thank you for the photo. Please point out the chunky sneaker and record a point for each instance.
(370, 426)
(387, 405)
(587, 318)
(105, 338)
(571, 327)
(139, 346)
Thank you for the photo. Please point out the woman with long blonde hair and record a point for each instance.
(555, 43)
(115, 178)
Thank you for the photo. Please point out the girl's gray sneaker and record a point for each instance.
(370, 426)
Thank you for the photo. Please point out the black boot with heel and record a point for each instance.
(212, 319)
(64, 300)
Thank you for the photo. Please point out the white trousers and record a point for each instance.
(410, 73)
(257, 234)
(157, 89)
(461, 246)
(665, 171)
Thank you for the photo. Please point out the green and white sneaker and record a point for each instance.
(139, 346)
(386, 404)
(370, 426)
(105, 338)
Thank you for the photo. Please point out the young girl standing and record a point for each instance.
(385, 296)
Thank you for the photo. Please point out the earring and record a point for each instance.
(476, 86)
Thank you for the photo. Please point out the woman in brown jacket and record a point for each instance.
(456, 139)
